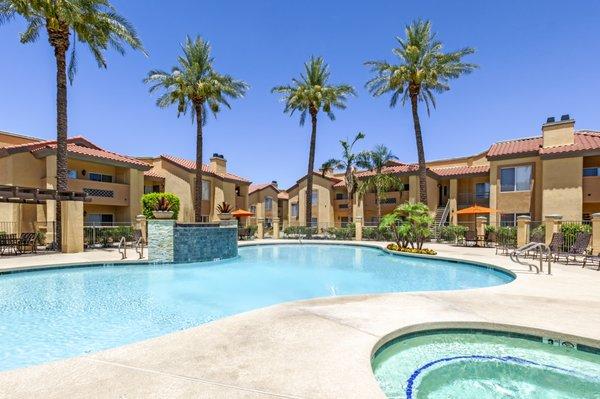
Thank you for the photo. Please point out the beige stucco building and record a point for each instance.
(178, 176)
(114, 182)
(555, 172)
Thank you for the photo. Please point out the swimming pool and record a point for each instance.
(477, 364)
(52, 314)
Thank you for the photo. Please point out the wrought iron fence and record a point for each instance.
(570, 231)
(105, 235)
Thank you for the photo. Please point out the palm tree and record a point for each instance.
(423, 69)
(92, 22)
(377, 181)
(310, 94)
(348, 164)
(195, 85)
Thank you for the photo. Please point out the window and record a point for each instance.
(72, 174)
(343, 206)
(344, 221)
(588, 172)
(510, 219)
(253, 209)
(341, 196)
(205, 190)
(515, 179)
(100, 177)
(294, 210)
(405, 187)
(315, 197)
(268, 204)
(482, 190)
(151, 189)
(314, 222)
(390, 200)
(99, 219)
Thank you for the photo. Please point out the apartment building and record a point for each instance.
(176, 175)
(555, 172)
(114, 182)
(267, 202)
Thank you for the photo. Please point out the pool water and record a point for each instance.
(485, 365)
(52, 314)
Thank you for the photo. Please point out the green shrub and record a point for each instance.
(453, 233)
(377, 234)
(570, 231)
(507, 235)
(341, 233)
(299, 230)
(150, 200)
(538, 234)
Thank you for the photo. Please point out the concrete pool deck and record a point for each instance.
(319, 348)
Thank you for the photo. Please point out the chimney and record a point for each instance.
(218, 163)
(274, 182)
(556, 133)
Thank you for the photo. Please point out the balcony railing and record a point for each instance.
(470, 199)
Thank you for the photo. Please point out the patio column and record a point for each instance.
(453, 201)
(480, 222)
(596, 233)
(552, 223)
(358, 225)
(72, 226)
(276, 228)
(523, 227)
(260, 232)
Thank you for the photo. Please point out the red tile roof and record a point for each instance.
(77, 145)
(583, 141)
(190, 166)
(455, 171)
(154, 173)
(399, 169)
(283, 195)
(258, 187)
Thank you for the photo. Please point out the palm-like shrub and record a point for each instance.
(378, 182)
(348, 163)
(224, 207)
(195, 86)
(410, 224)
(94, 23)
(151, 201)
(310, 94)
(422, 70)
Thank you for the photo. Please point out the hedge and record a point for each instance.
(150, 200)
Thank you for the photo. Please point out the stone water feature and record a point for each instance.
(169, 241)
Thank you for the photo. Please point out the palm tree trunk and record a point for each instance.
(378, 206)
(311, 168)
(198, 186)
(420, 150)
(60, 42)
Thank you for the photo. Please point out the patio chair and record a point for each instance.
(470, 236)
(591, 259)
(9, 242)
(27, 243)
(579, 248)
(490, 239)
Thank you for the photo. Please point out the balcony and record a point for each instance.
(102, 193)
(464, 200)
(591, 189)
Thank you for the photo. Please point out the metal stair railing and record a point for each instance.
(541, 248)
(123, 248)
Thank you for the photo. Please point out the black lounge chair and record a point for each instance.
(579, 248)
(470, 236)
(27, 243)
(9, 243)
(591, 259)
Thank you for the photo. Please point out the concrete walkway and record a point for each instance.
(318, 348)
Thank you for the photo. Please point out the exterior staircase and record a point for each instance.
(440, 219)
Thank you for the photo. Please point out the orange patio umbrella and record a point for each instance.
(241, 213)
(476, 210)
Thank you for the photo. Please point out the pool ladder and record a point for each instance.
(138, 246)
(541, 249)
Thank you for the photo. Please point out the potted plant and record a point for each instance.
(224, 210)
(162, 209)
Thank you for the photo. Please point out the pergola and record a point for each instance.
(30, 195)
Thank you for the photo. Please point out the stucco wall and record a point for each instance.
(562, 187)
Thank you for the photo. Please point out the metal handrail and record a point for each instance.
(123, 248)
(543, 250)
(139, 247)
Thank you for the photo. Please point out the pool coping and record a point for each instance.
(247, 355)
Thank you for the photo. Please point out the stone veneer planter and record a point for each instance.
(169, 241)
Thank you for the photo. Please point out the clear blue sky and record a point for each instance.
(537, 59)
